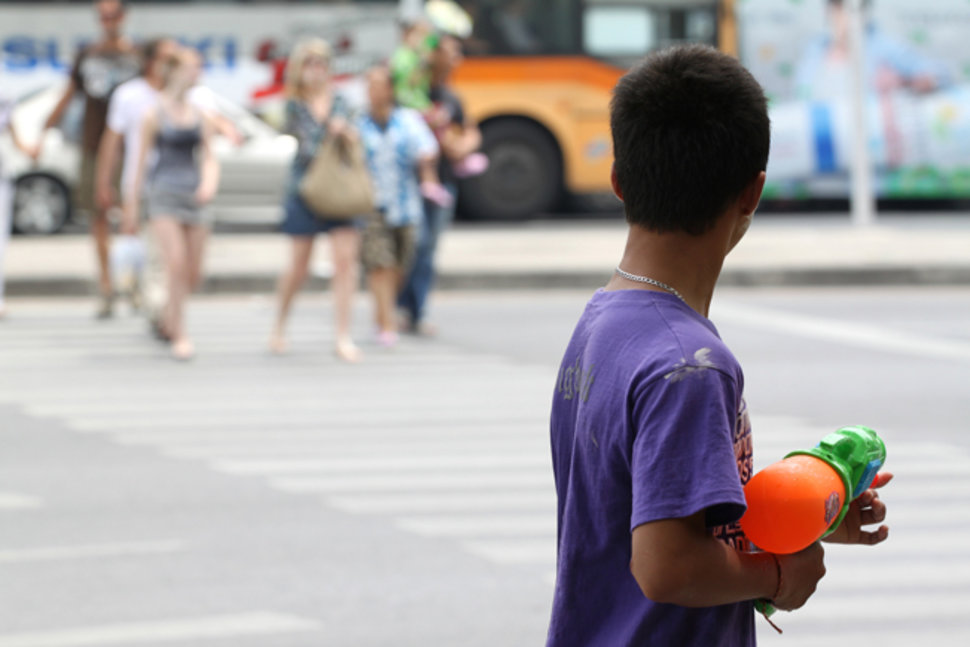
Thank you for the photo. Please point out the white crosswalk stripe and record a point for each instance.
(175, 630)
(16, 501)
(453, 445)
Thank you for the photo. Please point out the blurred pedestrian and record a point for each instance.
(398, 142)
(459, 139)
(98, 69)
(129, 105)
(6, 189)
(410, 70)
(314, 112)
(180, 181)
(410, 64)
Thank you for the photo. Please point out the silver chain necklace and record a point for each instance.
(646, 279)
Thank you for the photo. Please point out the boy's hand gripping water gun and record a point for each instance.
(797, 501)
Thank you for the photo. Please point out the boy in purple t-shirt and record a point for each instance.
(651, 442)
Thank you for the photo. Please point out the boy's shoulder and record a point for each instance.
(652, 335)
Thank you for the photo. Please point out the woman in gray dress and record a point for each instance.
(178, 184)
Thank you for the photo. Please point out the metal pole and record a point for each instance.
(863, 199)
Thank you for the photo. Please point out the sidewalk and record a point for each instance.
(911, 249)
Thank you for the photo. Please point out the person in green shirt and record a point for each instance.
(411, 67)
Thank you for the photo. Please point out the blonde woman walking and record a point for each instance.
(314, 112)
(182, 180)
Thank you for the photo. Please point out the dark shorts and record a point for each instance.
(84, 191)
(299, 220)
(385, 247)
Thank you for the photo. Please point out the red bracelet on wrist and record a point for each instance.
(777, 568)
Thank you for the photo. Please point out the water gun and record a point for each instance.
(800, 499)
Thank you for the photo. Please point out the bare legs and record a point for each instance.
(182, 247)
(287, 287)
(384, 284)
(345, 246)
(101, 232)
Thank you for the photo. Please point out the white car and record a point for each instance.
(252, 181)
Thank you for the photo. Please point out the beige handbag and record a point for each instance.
(338, 186)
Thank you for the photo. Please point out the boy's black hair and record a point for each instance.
(690, 133)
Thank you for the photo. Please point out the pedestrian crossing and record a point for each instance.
(452, 445)
(447, 444)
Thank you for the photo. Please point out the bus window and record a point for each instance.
(611, 32)
(523, 27)
(624, 31)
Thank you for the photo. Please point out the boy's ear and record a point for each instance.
(751, 195)
(616, 185)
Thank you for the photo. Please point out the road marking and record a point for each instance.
(206, 406)
(12, 501)
(405, 433)
(539, 502)
(928, 492)
(55, 553)
(475, 526)
(404, 482)
(922, 606)
(286, 417)
(355, 449)
(922, 633)
(520, 551)
(176, 630)
(381, 464)
(853, 334)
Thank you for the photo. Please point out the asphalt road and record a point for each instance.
(288, 501)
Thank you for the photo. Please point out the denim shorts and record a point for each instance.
(300, 220)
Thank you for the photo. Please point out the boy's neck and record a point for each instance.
(689, 264)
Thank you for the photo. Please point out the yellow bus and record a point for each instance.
(538, 78)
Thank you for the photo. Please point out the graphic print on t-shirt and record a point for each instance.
(732, 534)
(100, 75)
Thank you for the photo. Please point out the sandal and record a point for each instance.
(183, 350)
(347, 351)
(278, 345)
(158, 330)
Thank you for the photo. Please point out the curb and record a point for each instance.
(64, 286)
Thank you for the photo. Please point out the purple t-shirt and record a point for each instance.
(648, 423)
